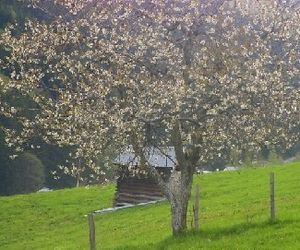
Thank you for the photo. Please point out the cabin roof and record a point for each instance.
(156, 157)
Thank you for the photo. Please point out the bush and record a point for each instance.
(26, 174)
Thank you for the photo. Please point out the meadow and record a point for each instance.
(234, 214)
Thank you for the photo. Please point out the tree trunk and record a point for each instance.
(179, 216)
(179, 194)
(78, 180)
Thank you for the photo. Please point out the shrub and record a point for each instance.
(26, 174)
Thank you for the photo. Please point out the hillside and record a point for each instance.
(234, 215)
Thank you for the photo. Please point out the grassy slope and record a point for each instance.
(234, 215)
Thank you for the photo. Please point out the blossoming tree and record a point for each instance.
(202, 76)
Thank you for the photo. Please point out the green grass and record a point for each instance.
(234, 215)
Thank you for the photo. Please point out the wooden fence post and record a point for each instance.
(196, 208)
(272, 197)
(92, 231)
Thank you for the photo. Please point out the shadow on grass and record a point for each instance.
(210, 235)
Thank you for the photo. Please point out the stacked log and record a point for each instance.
(132, 190)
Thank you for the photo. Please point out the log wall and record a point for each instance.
(134, 190)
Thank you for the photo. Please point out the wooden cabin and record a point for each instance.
(136, 186)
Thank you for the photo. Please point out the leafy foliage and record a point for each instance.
(12, 11)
